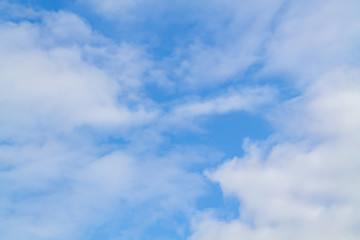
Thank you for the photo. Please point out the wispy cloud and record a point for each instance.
(86, 115)
(247, 99)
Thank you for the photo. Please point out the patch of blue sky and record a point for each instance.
(45, 5)
(224, 207)
(224, 132)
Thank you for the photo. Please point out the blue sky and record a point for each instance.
(196, 120)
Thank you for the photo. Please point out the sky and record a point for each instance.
(179, 120)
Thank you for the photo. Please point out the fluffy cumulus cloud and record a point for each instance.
(101, 103)
(301, 183)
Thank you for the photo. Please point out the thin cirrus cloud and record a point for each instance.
(85, 151)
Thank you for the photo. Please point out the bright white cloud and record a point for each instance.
(302, 182)
(311, 38)
(46, 82)
(299, 189)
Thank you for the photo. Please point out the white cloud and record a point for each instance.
(64, 27)
(237, 36)
(57, 191)
(247, 99)
(47, 83)
(299, 189)
(313, 37)
(301, 183)
(55, 78)
(328, 107)
(228, 36)
(57, 75)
